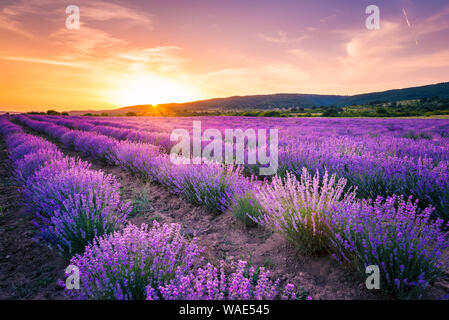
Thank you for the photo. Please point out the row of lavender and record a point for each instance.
(72, 202)
(395, 135)
(314, 212)
(211, 185)
(378, 165)
(77, 211)
(380, 160)
(391, 137)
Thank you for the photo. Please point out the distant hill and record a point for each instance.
(440, 90)
(114, 112)
(282, 100)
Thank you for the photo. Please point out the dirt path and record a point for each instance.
(225, 238)
(28, 269)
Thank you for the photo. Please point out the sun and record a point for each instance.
(152, 89)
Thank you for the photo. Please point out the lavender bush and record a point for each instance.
(211, 185)
(298, 209)
(395, 235)
(247, 209)
(209, 283)
(7, 128)
(159, 263)
(73, 204)
(32, 162)
(20, 145)
(82, 218)
(123, 264)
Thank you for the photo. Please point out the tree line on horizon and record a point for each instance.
(424, 107)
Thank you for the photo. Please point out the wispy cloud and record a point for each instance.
(43, 61)
(434, 23)
(106, 11)
(329, 18)
(8, 23)
(378, 59)
(86, 40)
(19, 16)
(283, 77)
(281, 37)
(164, 58)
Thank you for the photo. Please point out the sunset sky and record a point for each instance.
(149, 52)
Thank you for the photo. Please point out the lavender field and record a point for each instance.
(347, 194)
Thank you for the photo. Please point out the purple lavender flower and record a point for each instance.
(395, 235)
(298, 209)
(209, 283)
(123, 264)
(73, 204)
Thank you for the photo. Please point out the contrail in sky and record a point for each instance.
(408, 23)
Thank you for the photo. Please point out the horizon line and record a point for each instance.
(235, 96)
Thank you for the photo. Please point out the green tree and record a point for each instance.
(381, 111)
(53, 113)
(271, 113)
(330, 113)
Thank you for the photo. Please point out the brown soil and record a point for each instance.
(28, 269)
(226, 238)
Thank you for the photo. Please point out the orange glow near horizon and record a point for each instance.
(151, 89)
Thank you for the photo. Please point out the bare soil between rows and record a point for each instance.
(28, 269)
(223, 237)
